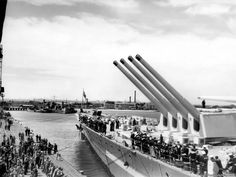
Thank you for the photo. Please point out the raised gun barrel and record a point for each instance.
(161, 108)
(159, 87)
(187, 105)
(158, 96)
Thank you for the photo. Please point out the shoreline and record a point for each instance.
(17, 128)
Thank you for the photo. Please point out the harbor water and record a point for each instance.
(61, 129)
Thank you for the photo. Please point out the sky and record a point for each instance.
(58, 48)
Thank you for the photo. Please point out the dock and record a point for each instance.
(16, 128)
(68, 169)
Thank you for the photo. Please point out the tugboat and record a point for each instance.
(53, 107)
(69, 110)
(186, 142)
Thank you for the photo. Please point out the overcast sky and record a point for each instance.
(57, 48)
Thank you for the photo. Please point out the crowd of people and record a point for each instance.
(186, 156)
(182, 155)
(27, 156)
(8, 124)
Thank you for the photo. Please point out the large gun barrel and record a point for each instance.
(162, 90)
(188, 106)
(159, 97)
(161, 108)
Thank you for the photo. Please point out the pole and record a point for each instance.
(1, 91)
(3, 5)
(82, 99)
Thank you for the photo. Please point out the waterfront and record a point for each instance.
(60, 129)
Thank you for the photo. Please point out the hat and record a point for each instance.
(211, 157)
(231, 155)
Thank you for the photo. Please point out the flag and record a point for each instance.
(3, 5)
(84, 95)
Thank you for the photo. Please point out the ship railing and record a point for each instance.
(193, 165)
(182, 161)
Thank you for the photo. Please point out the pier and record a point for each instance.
(14, 130)
(68, 169)
(17, 108)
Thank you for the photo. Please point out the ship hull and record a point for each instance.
(125, 162)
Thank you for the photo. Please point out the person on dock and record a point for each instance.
(25, 156)
(55, 148)
(26, 166)
(3, 168)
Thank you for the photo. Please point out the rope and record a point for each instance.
(70, 164)
(160, 169)
(65, 159)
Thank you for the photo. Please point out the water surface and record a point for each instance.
(61, 129)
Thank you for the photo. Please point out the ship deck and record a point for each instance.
(122, 136)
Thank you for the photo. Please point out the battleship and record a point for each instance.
(179, 123)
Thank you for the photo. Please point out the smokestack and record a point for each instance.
(160, 107)
(188, 106)
(135, 96)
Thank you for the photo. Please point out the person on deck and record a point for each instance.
(112, 126)
(215, 168)
(218, 162)
(55, 148)
(3, 168)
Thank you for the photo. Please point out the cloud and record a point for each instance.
(231, 23)
(185, 3)
(63, 55)
(209, 9)
(121, 4)
(78, 49)
(45, 2)
(200, 7)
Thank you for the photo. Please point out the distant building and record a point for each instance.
(150, 106)
(125, 105)
(109, 105)
(95, 104)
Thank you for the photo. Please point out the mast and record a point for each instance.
(3, 5)
(83, 97)
(82, 100)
